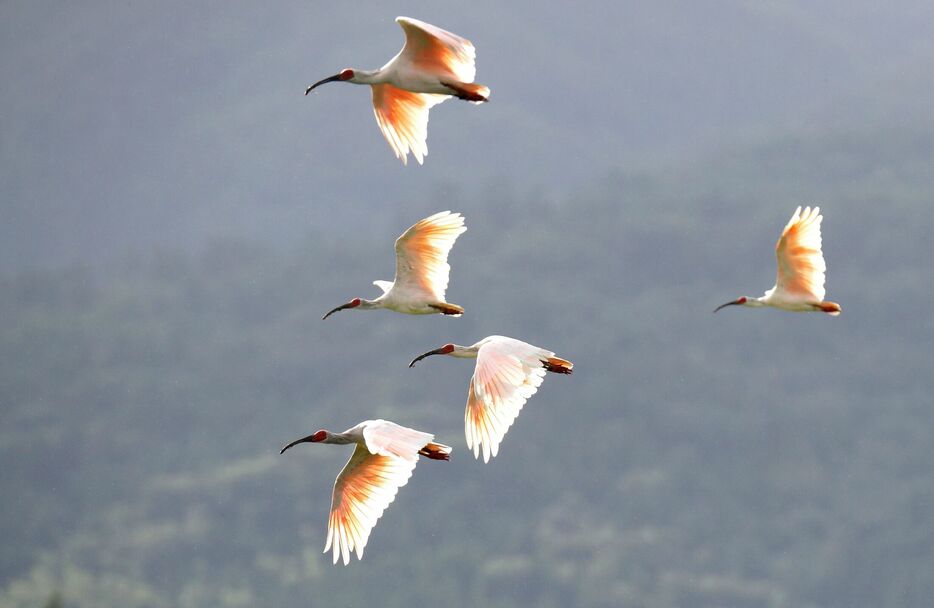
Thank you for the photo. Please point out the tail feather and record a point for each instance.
(558, 365)
(436, 451)
(448, 309)
(479, 90)
(831, 308)
(470, 91)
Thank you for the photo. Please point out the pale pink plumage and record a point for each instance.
(434, 64)
(382, 462)
(507, 373)
(799, 283)
(402, 117)
(422, 270)
(800, 261)
(430, 56)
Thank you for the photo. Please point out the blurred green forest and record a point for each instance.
(749, 458)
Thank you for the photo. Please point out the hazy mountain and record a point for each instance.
(176, 217)
(752, 458)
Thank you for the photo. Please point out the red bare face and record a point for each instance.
(319, 436)
(447, 349)
(742, 300)
(346, 74)
(354, 302)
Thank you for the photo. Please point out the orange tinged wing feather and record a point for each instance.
(508, 372)
(367, 485)
(800, 260)
(402, 117)
(438, 51)
(422, 254)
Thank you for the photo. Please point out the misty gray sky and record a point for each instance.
(128, 125)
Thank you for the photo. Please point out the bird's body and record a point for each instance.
(422, 270)
(433, 65)
(382, 462)
(507, 373)
(799, 285)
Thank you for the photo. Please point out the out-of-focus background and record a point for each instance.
(175, 217)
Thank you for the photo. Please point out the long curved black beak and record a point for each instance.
(296, 442)
(341, 307)
(437, 351)
(733, 303)
(320, 82)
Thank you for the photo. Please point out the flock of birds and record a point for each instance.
(432, 66)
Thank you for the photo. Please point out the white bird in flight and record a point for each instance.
(799, 286)
(421, 270)
(432, 66)
(382, 462)
(507, 373)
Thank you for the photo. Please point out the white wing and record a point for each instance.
(508, 372)
(387, 438)
(437, 51)
(422, 255)
(402, 116)
(800, 260)
(384, 285)
(367, 485)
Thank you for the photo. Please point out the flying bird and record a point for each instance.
(382, 462)
(421, 270)
(432, 66)
(507, 373)
(799, 286)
